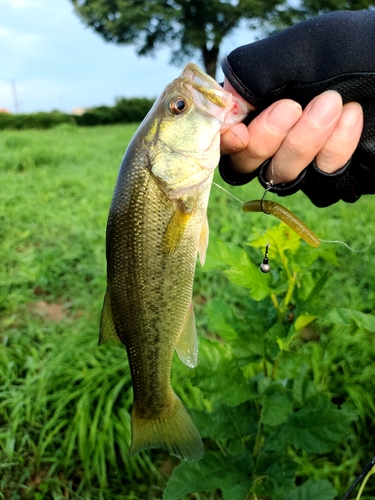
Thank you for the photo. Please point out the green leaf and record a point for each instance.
(247, 275)
(316, 287)
(303, 320)
(242, 272)
(280, 237)
(218, 313)
(221, 255)
(231, 474)
(275, 409)
(220, 375)
(317, 428)
(227, 422)
(313, 490)
(303, 387)
(342, 316)
(277, 472)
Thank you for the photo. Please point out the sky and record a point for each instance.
(50, 60)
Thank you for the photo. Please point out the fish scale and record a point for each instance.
(156, 226)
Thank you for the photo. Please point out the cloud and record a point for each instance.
(18, 41)
(23, 4)
(56, 62)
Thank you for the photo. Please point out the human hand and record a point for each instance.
(325, 130)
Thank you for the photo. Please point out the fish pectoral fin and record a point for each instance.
(203, 241)
(187, 344)
(175, 230)
(107, 326)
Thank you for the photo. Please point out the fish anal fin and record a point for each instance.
(187, 344)
(203, 241)
(173, 430)
(107, 326)
(175, 229)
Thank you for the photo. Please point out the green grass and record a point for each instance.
(64, 403)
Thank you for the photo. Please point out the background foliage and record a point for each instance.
(190, 27)
(130, 110)
(283, 394)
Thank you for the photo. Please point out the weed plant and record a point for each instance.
(284, 392)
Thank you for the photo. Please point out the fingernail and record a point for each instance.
(283, 116)
(324, 108)
(352, 113)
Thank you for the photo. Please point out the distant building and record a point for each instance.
(4, 110)
(79, 111)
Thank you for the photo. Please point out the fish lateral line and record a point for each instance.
(284, 215)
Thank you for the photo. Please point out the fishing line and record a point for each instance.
(278, 212)
(230, 194)
(349, 247)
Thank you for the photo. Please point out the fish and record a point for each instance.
(156, 227)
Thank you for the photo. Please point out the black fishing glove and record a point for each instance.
(333, 51)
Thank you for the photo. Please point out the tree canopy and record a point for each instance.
(190, 26)
(187, 26)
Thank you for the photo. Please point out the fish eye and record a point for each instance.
(177, 105)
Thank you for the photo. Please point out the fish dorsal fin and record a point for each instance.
(187, 344)
(203, 241)
(175, 229)
(107, 326)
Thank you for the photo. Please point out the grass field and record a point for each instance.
(64, 402)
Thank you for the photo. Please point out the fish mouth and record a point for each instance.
(211, 98)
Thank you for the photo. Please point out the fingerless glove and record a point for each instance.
(333, 51)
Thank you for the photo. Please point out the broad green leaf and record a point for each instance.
(342, 316)
(277, 473)
(221, 255)
(317, 430)
(275, 409)
(227, 422)
(230, 388)
(218, 312)
(248, 275)
(220, 375)
(280, 238)
(313, 490)
(242, 272)
(308, 294)
(277, 339)
(284, 345)
(303, 320)
(215, 470)
(303, 387)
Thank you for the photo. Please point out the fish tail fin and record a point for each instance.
(172, 430)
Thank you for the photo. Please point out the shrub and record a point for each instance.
(124, 111)
(39, 120)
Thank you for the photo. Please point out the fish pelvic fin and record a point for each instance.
(187, 344)
(107, 326)
(172, 430)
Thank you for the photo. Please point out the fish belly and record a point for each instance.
(150, 292)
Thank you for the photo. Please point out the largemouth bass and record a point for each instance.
(157, 224)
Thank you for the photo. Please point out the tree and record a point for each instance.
(187, 26)
(292, 12)
(190, 26)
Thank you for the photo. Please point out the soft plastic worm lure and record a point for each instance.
(286, 216)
